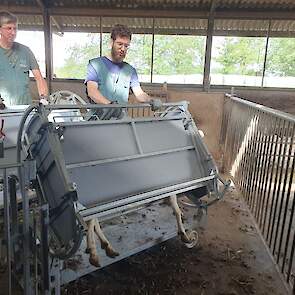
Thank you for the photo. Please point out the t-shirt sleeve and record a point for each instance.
(92, 75)
(32, 60)
(134, 82)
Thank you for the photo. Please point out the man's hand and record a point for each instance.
(117, 112)
(156, 104)
(2, 105)
(108, 113)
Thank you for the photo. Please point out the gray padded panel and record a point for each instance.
(162, 135)
(83, 143)
(112, 160)
(112, 181)
(105, 182)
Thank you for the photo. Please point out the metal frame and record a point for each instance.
(28, 245)
(259, 152)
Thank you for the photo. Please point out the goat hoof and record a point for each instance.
(194, 239)
(111, 253)
(94, 260)
(184, 238)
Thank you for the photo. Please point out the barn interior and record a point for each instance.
(244, 104)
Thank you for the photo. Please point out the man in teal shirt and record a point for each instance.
(16, 60)
(109, 78)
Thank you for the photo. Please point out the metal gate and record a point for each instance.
(259, 149)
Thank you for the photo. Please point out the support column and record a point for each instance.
(153, 48)
(100, 36)
(206, 80)
(48, 47)
(265, 53)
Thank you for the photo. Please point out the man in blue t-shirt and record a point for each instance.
(109, 78)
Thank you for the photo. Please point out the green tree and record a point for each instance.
(78, 57)
(172, 55)
(140, 53)
(75, 64)
(281, 57)
(243, 56)
(178, 55)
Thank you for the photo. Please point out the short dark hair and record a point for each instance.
(120, 31)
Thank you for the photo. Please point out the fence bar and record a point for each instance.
(286, 169)
(7, 229)
(267, 169)
(278, 181)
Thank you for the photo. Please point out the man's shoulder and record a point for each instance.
(96, 62)
(131, 68)
(95, 59)
(21, 47)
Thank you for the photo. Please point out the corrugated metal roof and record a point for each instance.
(257, 4)
(184, 4)
(18, 2)
(231, 24)
(162, 4)
(30, 21)
(136, 24)
(237, 27)
(188, 26)
(134, 4)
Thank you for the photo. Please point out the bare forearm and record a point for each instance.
(97, 97)
(143, 97)
(42, 87)
(41, 83)
(140, 95)
(95, 94)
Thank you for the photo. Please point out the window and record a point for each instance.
(140, 56)
(35, 41)
(280, 64)
(72, 52)
(179, 59)
(237, 60)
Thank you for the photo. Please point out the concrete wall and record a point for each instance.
(206, 109)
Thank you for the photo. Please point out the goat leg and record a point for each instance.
(91, 244)
(105, 244)
(178, 214)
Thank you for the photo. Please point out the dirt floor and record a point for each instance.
(230, 260)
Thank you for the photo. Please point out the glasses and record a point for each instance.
(121, 45)
(8, 28)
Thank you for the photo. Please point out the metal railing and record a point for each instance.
(259, 150)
